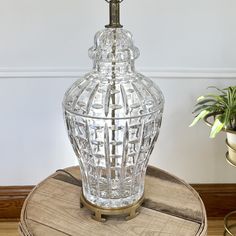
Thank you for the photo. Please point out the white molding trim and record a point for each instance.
(73, 72)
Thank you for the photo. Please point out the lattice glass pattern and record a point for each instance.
(113, 116)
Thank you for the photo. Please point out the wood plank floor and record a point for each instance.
(10, 228)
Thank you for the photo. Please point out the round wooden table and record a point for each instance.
(171, 207)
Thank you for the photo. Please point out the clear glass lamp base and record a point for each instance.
(113, 203)
(113, 117)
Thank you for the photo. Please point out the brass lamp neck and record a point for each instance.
(114, 14)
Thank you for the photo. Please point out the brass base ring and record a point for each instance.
(98, 213)
(227, 226)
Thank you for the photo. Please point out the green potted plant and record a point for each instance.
(219, 111)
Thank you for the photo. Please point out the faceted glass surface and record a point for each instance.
(113, 116)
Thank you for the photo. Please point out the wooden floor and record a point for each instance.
(10, 228)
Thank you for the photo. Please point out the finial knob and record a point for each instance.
(114, 14)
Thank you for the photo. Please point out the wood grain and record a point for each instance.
(173, 198)
(40, 229)
(8, 229)
(219, 199)
(215, 228)
(55, 204)
(11, 200)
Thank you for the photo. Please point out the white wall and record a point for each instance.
(185, 46)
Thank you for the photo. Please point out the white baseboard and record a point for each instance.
(72, 72)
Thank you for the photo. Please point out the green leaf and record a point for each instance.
(200, 117)
(214, 87)
(206, 100)
(200, 98)
(200, 108)
(216, 128)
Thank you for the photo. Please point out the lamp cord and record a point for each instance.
(69, 174)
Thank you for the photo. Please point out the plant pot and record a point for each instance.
(230, 141)
(231, 144)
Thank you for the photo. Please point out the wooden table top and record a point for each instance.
(171, 208)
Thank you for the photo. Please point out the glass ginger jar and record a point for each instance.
(113, 117)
